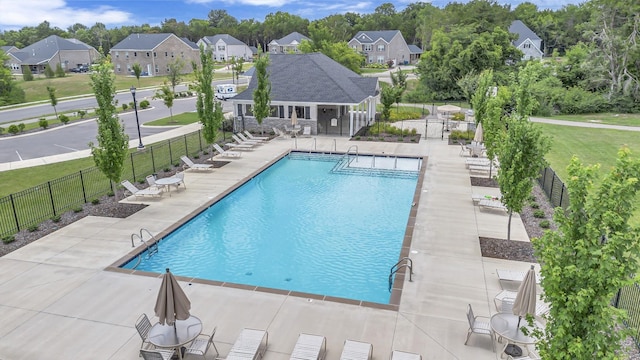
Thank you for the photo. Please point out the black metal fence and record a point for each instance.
(32, 206)
(554, 188)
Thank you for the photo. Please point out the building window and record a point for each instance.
(370, 59)
(380, 59)
(221, 47)
(148, 54)
(155, 54)
(172, 54)
(128, 68)
(182, 54)
(166, 54)
(354, 47)
(157, 70)
(135, 54)
(126, 54)
(381, 47)
(221, 57)
(273, 111)
(527, 46)
(118, 67)
(168, 69)
(248, 110)
(367, 47)
(117, 54)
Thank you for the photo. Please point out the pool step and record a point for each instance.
(366, 166)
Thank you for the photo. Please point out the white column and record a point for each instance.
(350, 120)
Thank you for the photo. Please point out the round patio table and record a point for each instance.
(506, 326)
(167, 182)
(170, 337)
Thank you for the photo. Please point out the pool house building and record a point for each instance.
(325, 95)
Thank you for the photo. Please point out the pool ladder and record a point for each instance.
(404, 262)
(152, 248)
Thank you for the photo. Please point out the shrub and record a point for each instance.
(458, 116)
(144, 104)
(32, 228)
(531, 198)
(21, 127)
(81, 113)
(539, 214)
(63, 119)
(1, 130)
(534, 205)
(404, 115)
(43, 123)
(95, 201)
(27, 75)
(13, 129)
(60, 71)
(545, 224)
(205, 152)
(125, 106)
(166, 169)
(8, 239)
(78, 209)
(48, 72)
(56, 218)
(461, 135)
(131, 104)
(357, 137)
(196, 156)
(176, 164)
(110, 194)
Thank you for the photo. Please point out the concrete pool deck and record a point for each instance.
(58, 302)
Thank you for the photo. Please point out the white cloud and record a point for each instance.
(269, 3)
(57, 13)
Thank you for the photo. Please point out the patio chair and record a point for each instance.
(252, 137)
(476, 326)
(132, 190)
(464, 149)
(151, 180)
(403, 355)
(306, 131)
(356, 350)
(247, 140)
(201, 344)
(188, 164)
(533, 355)
(492, 205)
(143, 325)
(504, 295)
(513, 278)
(179, 175)
(278, 132)
(226, 153)
(251, 344)
(157, 354)
(242, 142)
(309, 347)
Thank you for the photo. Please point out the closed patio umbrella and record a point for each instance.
(478, 136)
(172, 303)
(294, 118)
(525, 302)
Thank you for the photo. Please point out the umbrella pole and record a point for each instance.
(518, 326)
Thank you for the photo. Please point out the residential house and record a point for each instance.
(288, 44)
(383, 47)
(223, 47)
(528, 42)
(53, 50)
(154, 52)
(325, 95)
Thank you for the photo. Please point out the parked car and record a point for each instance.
(80, 69)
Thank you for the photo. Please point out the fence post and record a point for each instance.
(84, 192)
(553, 180)
(133, 169)
(53, 205)
(186, 147)
(561, 194)
(170, 154)
(200, 139)
(544, 177)
(15, 213)
(153, 160)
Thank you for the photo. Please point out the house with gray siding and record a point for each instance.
(528, 42)
(51, 51)
(223, 47)
(325, 95)
(382, 47)
(286, 45)
(154, 52)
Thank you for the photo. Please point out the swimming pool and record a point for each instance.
(302, 226)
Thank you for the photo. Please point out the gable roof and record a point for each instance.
(228, 39)
(142, 41)
(313, 78)
(414, 49)
(369, 37)
(289, 39)
(193, 45)
(9, 49)
(42, 51)
(523, 32)
(254, 50)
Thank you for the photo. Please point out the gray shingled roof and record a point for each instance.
(524, 33)
(254, 50)
(43, 50)
(289, 39)
(386, 35)
(313, 78)
(141, 42)
(190, 43)
(7, 49)
(228, 39)
(414, 49)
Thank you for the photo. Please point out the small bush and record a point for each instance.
(176, 164)
(21, 127)
(43, 123)
(196, 156)
(144, 104)
(534, 205)
(545, 224)
(461, 135)
(539, 214)
(63, 119)
(125, 106)
(8, 239)
(357, 137)
(78, 209)
(110, 194)
(56, 218)
(48, 72)
(95, 201)
(13, 129)
(27, 75)
(458, 116)
(166, 169)
(531, 198)
(81, 114)
(205, 152)
(1, 130)
(32, 228)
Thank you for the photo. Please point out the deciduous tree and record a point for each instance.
(262, 92)
(175, 73)
(205, 101)
(167, 96)
(53, 99)
(137, 71)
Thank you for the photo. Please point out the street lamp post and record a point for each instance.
(135, 108)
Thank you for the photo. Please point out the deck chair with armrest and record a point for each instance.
(403, 355)
(201, 344)
(143, 325)
(279, 133)
(245, 139)
(356, 350)
(157, 354)
(226, 153)
(151, 180)
(252, 137)
(132, 190)
(251, 344)
(309, 347)
(478, 325)
(189, 164)
(242, 142)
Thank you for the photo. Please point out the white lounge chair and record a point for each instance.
(492, 205)
(306, 131)
(247, 140)
(252, 137)
(480, 168)
(513, 278)
(242, 142)
(356, 350)
(403, 355)
(309, 347)
(226, 153)
(251, 344)
(236, 146)
(279, 133)
(129, 187)
(201, 344)
(479, 197)
(191, 165)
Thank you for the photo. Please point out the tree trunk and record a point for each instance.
(509, 225)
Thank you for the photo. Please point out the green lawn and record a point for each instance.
(604, 118)
(372, 71)
(181, 119)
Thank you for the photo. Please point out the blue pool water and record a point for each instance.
(297, 226)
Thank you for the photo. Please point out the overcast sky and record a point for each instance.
(16, 14)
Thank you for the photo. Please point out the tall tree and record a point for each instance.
(175, 73)
(113, 143)
(399, 81)
(594, 253)
(53, 99)
(137, 71)
(262, 92)
(10, 92)
(205, 101)
(167, 96)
